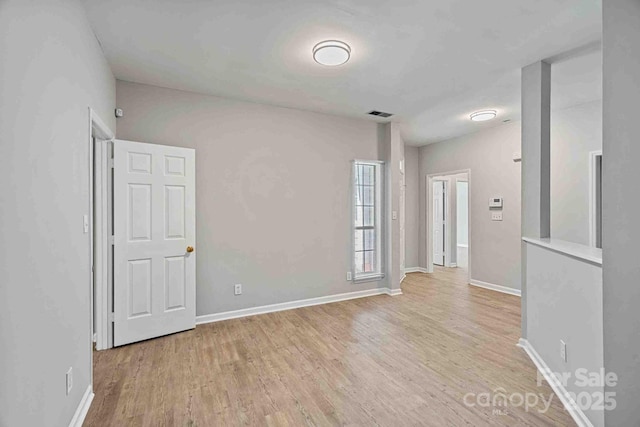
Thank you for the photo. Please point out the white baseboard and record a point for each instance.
(415, 270)
(498, 288)
(404, 276)
(453, 265)
(558, 388)
(83, 408)
(235, 314)
(393, 292)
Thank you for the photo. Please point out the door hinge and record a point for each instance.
(112, 240)
(112, 317)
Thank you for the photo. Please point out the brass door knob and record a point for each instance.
(189, 249)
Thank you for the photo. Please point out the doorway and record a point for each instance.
(143, 241)
(439, 221)
(448, 228)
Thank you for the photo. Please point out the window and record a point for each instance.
(367, 220)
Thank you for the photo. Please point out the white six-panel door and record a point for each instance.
(154, 232)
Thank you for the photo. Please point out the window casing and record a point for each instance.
(367, 222)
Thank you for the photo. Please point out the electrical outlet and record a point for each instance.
(69, 380)
(496, 216)
(348, 275)
(237, 289)
(563, 351)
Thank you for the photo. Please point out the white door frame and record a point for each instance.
(446, 256)
(98, 205)
(593, 216)
(429, 252)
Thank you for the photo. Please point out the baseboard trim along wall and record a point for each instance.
(235, 314)
(558, 388)
(492, 287)
(415, 270)
(83, 408)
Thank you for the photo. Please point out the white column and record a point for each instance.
(536, 171)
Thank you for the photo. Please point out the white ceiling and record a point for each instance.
(429, 62)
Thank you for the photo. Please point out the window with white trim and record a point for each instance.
(367, 220)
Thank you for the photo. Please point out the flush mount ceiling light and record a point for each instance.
(484, 115)
(331, 52)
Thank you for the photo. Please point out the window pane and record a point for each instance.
(369, 240)
(368, 174)
(359, 262)
(368, 216)
(369, 262)
(358, 240)
(368, 195)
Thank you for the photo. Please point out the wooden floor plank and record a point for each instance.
(387, 361)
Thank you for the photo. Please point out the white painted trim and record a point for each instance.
(593, 155)
(98, 209)
(429, 217)
(493, 287)
(272, 308)
(83, 408)
(393, 292)
(585, 253)
(415, 270)
(558, 388)
(404, 276)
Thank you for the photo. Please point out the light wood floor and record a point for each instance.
(388, 361)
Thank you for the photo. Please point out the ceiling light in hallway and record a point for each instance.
(484, 115)
(331, 52)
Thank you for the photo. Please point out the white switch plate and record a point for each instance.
(496, 216)
(348, 275)
(237, 289)
(394, 215)
(69, 380)
(563, 351)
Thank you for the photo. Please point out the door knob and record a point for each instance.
(189, 249)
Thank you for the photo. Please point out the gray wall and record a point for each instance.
(621, 205)
(52, 71)
(412, 205)
(575, 132)
(273, 205)
(494, 246)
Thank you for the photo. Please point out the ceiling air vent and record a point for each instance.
(379, 114)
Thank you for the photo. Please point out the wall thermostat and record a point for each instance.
(495, 202)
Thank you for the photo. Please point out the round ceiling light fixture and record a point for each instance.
(484, 115)
(331, 52)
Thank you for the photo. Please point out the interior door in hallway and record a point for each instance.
(154, 240)
(438, 222)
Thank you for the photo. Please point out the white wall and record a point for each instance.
(564, 302)
(621, 205)
(575, 132)
(494, 246)
(273, 206)
(52, 71)
(412, 204)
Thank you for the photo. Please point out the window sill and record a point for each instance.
(368, 278)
